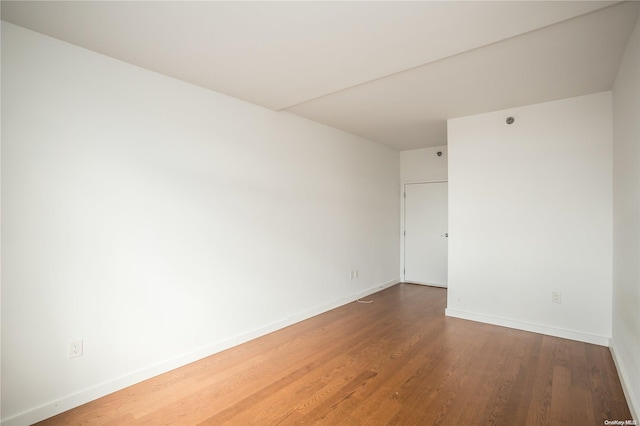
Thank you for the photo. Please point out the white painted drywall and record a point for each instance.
(626, 221)
(530, 213)
(160, 222)
(423, 165)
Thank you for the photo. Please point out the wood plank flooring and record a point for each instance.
(396, 361)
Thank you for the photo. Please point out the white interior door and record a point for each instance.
(426, 235)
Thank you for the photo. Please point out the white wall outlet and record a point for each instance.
(556, 297)
(75, 348)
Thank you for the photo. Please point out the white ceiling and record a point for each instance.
(392, 72)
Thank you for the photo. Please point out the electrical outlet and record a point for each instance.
(556, 297)
(75, 348)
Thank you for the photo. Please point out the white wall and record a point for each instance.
(161, 222)
(530, 213)
(626, 221)
(423, 165)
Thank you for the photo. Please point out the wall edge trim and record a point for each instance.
(531, 327)
(632, 401)
(69, 402)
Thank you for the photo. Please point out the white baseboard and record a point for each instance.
(526, 326)
(67, 403)
(426, 284)
(375, 289)
(632, 400)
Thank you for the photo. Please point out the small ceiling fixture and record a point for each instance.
(510, 120)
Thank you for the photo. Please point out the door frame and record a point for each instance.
(403, 198)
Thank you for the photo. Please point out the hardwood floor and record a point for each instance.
(396, 361)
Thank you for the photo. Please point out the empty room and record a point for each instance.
(362, 213)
